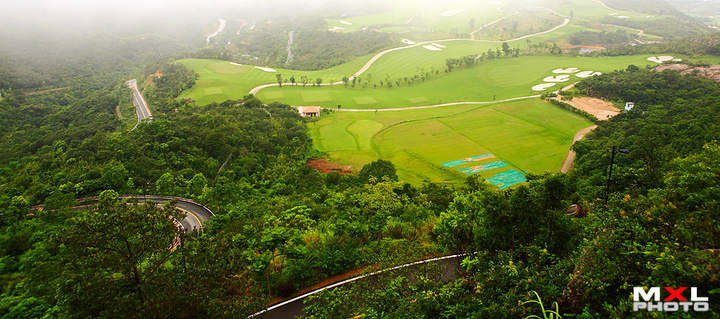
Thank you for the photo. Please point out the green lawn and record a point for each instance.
(528, 135)
(493, 79)
(220, 80)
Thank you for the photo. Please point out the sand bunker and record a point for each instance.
(431, 47)
(265, 69)
(439, 45)
(660, 59)
(543, 87)
(406, 41)
(587, 74)
(345, 22)
(336, 28)
(623, 17)
(559, 78)
(233, 63)
(452, 12)
(568, 70)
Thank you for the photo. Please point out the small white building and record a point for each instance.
(629, 106)
(309, 111)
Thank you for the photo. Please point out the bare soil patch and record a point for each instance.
(603, 110)
(324, 166)
(712, 72)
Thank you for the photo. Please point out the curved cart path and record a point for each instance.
(367, 65)
(435, 105)
(571, 154)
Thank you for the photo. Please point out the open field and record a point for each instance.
(442, 16)
(528, 135)
(505, 138)
(493, 79)
(220, 80)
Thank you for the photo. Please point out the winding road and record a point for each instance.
(197, 214)
(294, 307)
(141, 107)
(374, 59)
(571, 154)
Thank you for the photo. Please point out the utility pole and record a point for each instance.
(612, 161)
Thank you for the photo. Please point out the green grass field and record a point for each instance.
(441, 16)
(493, 79)
(220, 80)
(528, 135)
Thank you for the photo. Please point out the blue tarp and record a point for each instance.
(508, 178)
(465, 160)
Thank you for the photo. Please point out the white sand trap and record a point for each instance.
(431, 47)
(543, 87)
(623, 17)
(568, 70)
(559, 78)
(439, 45)
(587, 74)
(406, 41)
(345, 22)
(452, 12)
(233, 63)
(265, 69)
(660, 59)
(677, 60)
(613, 14)
(364, 28)
(336, 28)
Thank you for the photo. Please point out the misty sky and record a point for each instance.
(57, 16)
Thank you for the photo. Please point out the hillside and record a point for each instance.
(444, 130)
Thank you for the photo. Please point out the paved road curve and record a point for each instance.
(197, 214)
(141, 107)
(295, 307)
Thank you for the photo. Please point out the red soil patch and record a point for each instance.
(324, 166)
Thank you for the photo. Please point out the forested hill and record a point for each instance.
(675, 24)
(659, 7)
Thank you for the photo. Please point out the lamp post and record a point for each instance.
(612, 161)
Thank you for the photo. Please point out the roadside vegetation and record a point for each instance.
(282, 226)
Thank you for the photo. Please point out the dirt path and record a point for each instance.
(571, 154)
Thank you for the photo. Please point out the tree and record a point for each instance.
(304, 79)
(196, 185)
(292, 80)
(377, 170)
(318, 81)
(117, 259)
(472, 24)
(345, 80)
(279, 79)
(506, 48)
(165, 185)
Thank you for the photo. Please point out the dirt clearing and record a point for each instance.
(324, 166)
(603, 110)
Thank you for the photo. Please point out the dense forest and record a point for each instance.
(600, 38)
(313, 47)
(282, 226)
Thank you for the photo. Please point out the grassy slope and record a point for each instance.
(529, 135)
(499, 79)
